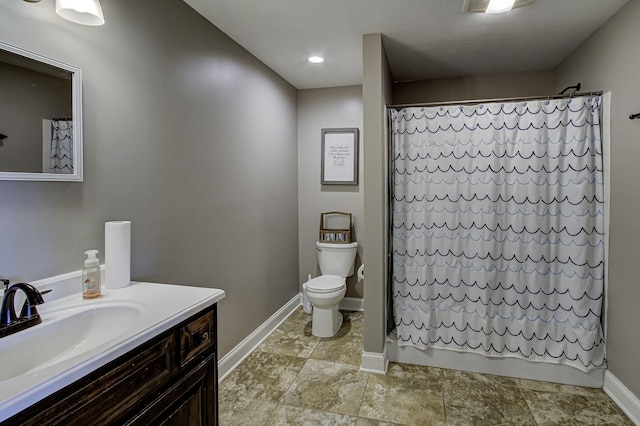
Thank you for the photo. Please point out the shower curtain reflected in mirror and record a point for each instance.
(57, 146)
(498, 229)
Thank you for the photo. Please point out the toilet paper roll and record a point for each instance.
(361, 272)
(117, 252)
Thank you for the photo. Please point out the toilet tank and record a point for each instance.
(336, 259)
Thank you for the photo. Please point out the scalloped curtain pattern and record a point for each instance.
(61, 160)
(498, 229)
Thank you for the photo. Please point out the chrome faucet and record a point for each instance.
(10, 322)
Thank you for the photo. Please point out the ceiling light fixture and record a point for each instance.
(494, 6)
(499, 6)
(316, 59)
(84, 12)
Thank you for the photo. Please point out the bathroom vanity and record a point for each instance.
(158, 366)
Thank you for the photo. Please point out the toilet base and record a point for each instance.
(326, 322)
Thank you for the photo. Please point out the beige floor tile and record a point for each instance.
(544, 386)
(345, 350)
(237, 410)
(296, 378)
(480, 399)
(286, 415)
(263, 376)
(407, 400)
(558, 387)
(353, 322)
(290, 342)
(402, 371)
(479, 378)
(327, 386)
(560, 408)
(370, 422)
(299, 320)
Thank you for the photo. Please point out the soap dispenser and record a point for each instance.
(91, 275)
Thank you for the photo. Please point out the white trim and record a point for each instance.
(478, 363)
(623, 397)
(352, 304)
(238, 354)
(374, 362)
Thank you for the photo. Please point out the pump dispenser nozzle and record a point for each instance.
(92, 259)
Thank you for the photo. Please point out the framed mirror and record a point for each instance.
(40, 117)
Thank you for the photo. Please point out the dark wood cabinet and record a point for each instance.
(190, 401)
(170, 380)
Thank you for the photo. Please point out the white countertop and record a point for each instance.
(162, 306)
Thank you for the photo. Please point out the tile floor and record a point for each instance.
(295, 378)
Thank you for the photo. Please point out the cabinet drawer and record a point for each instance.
(196, 337)
(144, 374)
(105, 395)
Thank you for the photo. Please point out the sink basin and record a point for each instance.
(63, 335)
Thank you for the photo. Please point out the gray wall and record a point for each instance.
(376, 93)
(318, 109)
(609, 61)
(185, 134)
(540, 83)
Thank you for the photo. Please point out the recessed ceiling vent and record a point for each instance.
(481, 6)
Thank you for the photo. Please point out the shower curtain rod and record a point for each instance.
(484, 101)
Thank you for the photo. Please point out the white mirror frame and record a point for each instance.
(76, 99)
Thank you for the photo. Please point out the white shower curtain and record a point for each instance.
(57, 146)
(498, 229)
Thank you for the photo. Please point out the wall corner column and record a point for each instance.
(376, 93)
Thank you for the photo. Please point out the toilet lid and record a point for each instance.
(326, 284)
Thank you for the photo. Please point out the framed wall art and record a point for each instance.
(339, 157)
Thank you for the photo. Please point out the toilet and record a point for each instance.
(325, 292)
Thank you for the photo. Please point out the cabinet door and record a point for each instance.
(192, 401)
(189, 408)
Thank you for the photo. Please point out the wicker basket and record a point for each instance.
(335, 236)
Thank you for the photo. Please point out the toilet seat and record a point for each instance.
(326, 284)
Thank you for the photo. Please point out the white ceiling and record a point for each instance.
(424, 39)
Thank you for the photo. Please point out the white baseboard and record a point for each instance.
(623, 397)
(231, 360)
(352, 304)
(373, 362)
